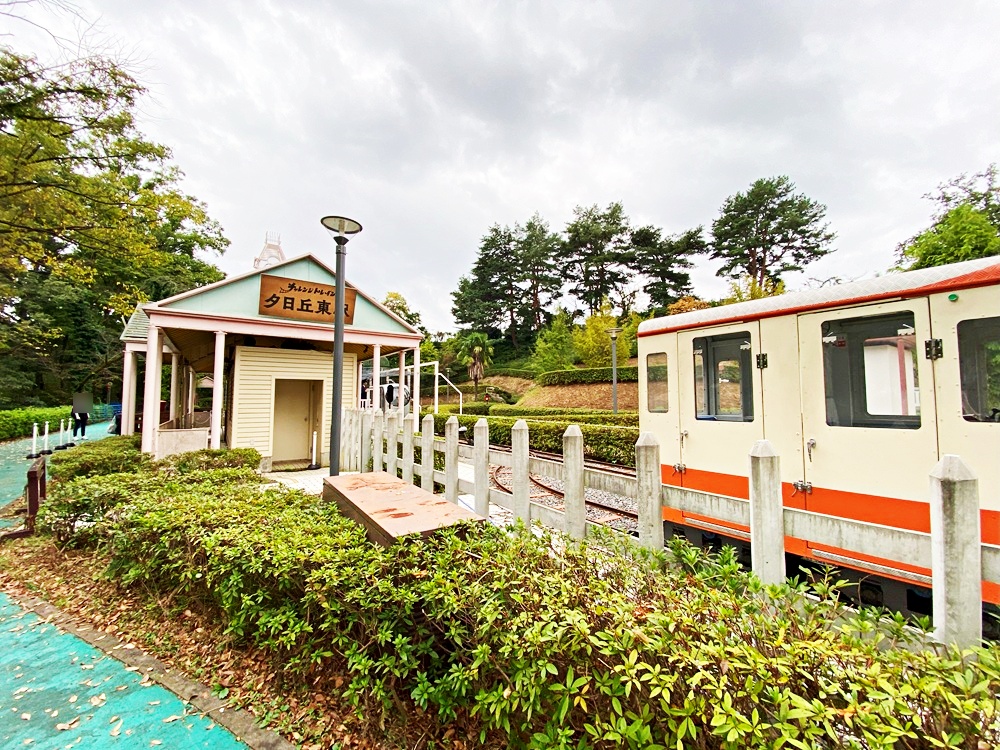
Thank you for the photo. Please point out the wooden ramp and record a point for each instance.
(390, 508)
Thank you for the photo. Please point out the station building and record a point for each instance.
(263, 341)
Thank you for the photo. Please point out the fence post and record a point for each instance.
(409, 427)
(356, 440)
(366, 440)
(767, 520)
(451, 459)
(378, 435)
(573, 484)
(647, 474)
(481, 461)
(392, 442)
(427, 453)
(956, 553)
(519, 470)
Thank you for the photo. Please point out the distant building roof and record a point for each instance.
(137, 328)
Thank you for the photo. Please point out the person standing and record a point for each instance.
(80, 423)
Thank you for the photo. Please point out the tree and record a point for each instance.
(664, 262)
(491, 296)
(768, 231)
(475, 352)
(746, 288)
(597, 251)
(91, 224)
(593, 343)
(687, 304)
(540, 278)
(966, 224)
(554, 346)
(397, 303)
(963, 233)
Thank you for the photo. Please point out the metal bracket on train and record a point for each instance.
(933, 349)
(679, 468)
(761, 361)
(805, 488)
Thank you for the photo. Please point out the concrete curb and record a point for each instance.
(241, 723)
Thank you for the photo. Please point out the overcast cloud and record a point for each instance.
(430, 121)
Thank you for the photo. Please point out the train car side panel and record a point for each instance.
(868, 409)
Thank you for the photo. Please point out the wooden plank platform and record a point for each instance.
(389, 508)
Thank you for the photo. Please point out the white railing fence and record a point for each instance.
(952, 550)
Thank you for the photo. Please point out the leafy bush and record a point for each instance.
(555, 646)
(16, 423)
(474, 407)
(207, 459)
(602, 443)
(112, 455)
(588, 375)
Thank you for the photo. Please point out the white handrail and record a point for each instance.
(445, 379)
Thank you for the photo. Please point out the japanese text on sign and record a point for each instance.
(303, 300)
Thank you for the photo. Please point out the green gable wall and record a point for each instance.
(240, 298)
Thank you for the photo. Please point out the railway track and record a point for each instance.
(588, 463)
(598, 511)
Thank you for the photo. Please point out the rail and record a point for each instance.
(34, 493)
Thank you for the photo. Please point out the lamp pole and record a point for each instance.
(613, 333)
(340, 228)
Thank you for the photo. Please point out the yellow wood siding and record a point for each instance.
(253, 398)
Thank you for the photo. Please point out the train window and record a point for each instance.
(656, 382)
(723, 382)
(870, 372)
(979, 367)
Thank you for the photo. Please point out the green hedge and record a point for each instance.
(588, 375)
(473, 407)
(533, 645)
(111, 455)
(594, 416)
(17, 423)
(613, 444)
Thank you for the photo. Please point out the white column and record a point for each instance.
(956, 554)
(376, 398)
(357, 390)
(128, 393)
(416, 383)
(647, 474)
(175, 372)
(192, 377)
(217, 392)
(151, 395)
(402, 381)
(767, 521)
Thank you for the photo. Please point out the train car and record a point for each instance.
(860, 388)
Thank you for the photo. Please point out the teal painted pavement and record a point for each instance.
(58, 692)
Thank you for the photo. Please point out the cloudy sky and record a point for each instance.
(430, 121)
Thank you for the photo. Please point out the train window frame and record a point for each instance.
(708, 352)
(661, 385)
(847, 387)
(975, 335)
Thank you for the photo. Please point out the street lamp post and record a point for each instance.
(340, 229)
(613, 333)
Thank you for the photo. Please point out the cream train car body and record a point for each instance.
(860, 388)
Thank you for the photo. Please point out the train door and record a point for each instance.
(868, 412)
(721, 406)
(967, 325)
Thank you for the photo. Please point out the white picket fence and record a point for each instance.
(952, 551)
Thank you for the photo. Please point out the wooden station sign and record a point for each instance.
(303, 300)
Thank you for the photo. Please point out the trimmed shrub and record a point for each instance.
(541, 645)
(602, 443)
(572, 414)
(17, 423)
(208, 459)
(587, 375)
(112, 455)
(474, 407)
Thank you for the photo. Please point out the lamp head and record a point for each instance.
(338, 226)
(613, 332)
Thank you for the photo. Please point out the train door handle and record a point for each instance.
(810, 444)
(684, 434)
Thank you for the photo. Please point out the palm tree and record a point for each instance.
(475, 352)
